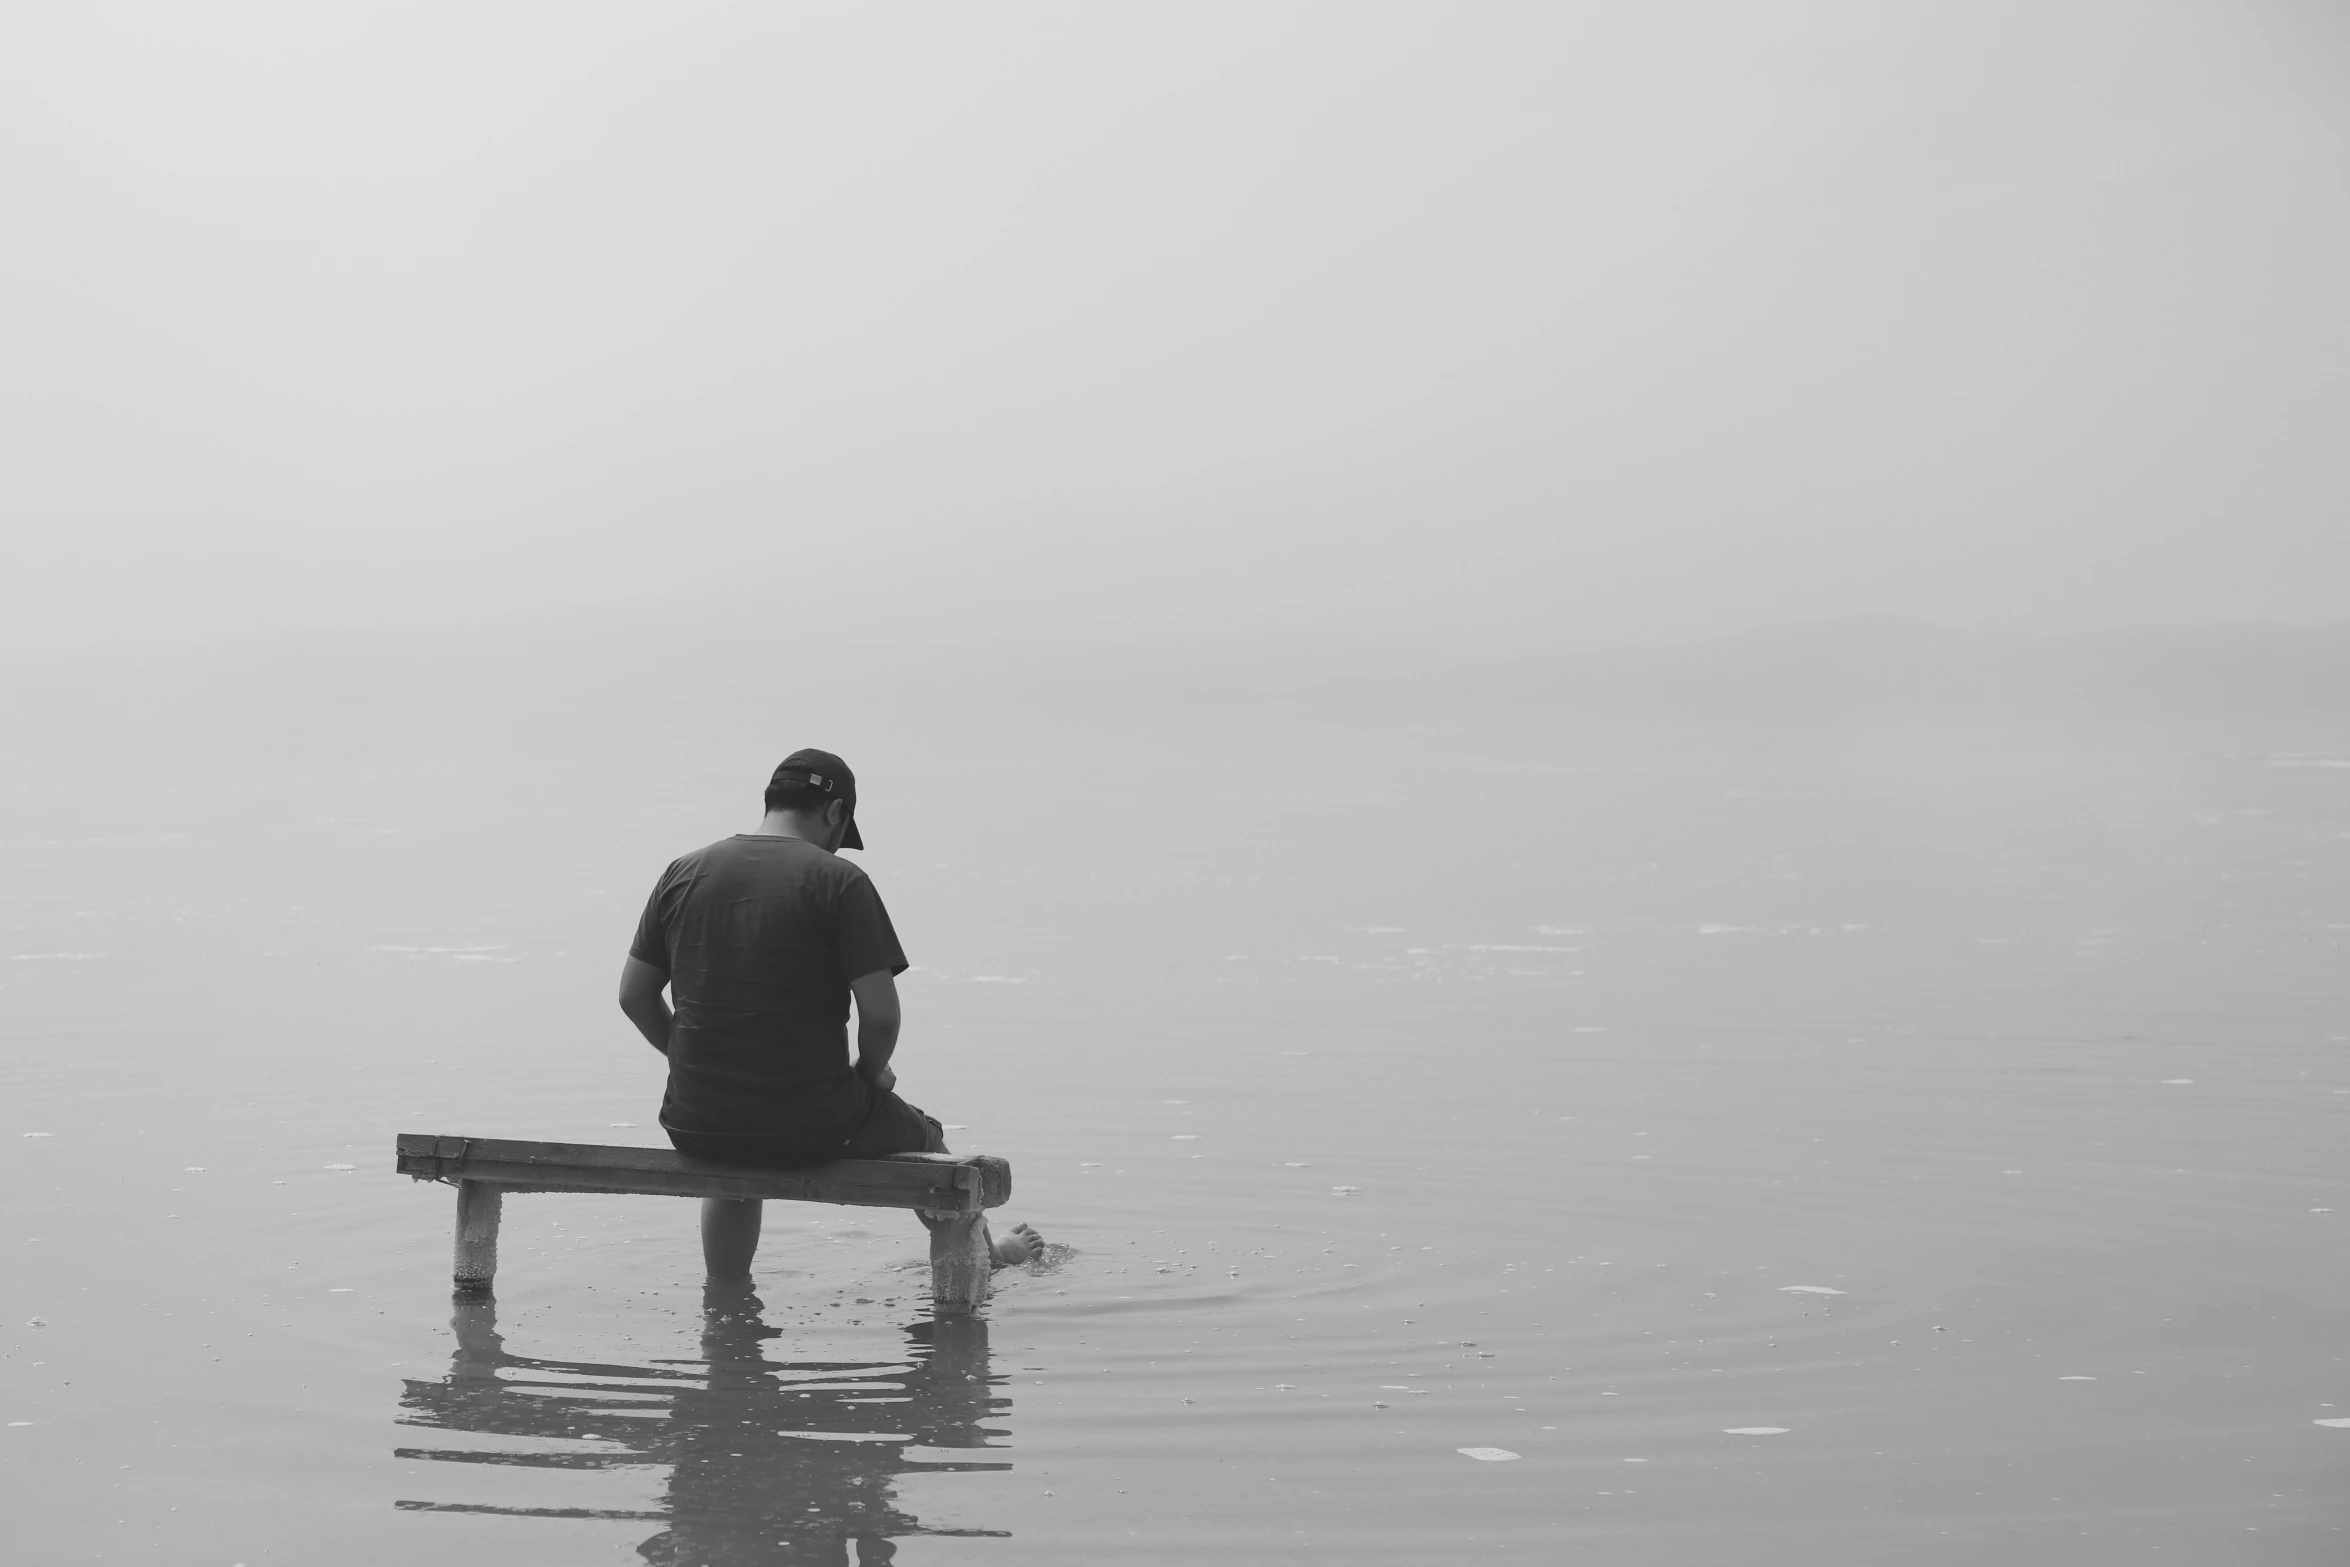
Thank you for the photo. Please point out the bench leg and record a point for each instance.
(478, 1205)
(959, 1262)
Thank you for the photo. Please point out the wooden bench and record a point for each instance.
(951, 1192)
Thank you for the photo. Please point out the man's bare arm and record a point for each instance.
(640, 998)
(877, 1026)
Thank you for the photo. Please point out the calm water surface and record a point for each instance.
(1962, 1114)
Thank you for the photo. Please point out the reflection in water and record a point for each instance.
(771, 1462)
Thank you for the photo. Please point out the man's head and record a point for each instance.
(817, 790)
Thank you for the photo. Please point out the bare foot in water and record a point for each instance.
(1021, 1244)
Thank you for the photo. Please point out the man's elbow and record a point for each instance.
(640, 987)
(877, 1001)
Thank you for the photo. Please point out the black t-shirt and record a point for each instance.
(760, 937)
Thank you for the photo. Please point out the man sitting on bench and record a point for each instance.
(761, 939)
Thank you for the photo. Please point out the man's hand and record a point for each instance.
(883, 1079)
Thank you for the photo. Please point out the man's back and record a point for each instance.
(761, 940)
(760, 936)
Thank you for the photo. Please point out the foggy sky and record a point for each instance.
(1513, 327)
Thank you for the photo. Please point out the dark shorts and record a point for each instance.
(890, 1126)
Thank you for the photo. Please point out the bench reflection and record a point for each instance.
(770, 1462)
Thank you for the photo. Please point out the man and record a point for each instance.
(762, 938)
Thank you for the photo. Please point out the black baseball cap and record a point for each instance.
(828, 774)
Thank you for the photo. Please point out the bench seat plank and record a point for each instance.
(943, 1183)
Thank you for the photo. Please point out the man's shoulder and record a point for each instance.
(696, 859)
(755, 854)
(835, 870)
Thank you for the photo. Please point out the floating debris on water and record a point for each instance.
(1344, 1191)
(1807, 1289)
(1487, 1455)
(1755, 1430)
(2339, 1425)
(2177, 1082)
(2076, 1379)
(1296, 1164)
(342, 1167)
(624, 1125)
(36, 1134)
(36, 1322)
(1184, 1137)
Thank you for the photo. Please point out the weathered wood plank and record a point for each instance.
(962, 1183)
